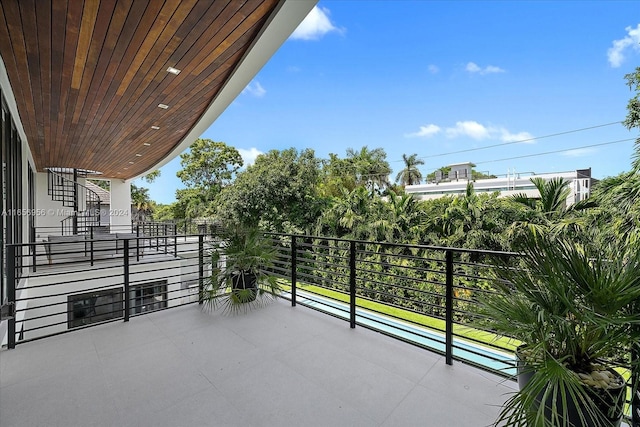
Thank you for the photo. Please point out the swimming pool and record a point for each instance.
(490, 358)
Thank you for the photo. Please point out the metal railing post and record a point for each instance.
(165, 238)
(137, 242)
(75, 201)
(449, 308)
(200, 269)
(294, 272)
(91, 244)
(352, 284)
(175, 241)
(635, 385)
(11, 295)
(127, 301)
(33, 248)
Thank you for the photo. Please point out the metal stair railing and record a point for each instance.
(63, 187)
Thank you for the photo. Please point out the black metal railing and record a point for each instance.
(63, 186)
(423, 295)
(80, 283)
(422, 289)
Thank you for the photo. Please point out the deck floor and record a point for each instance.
(274, 366)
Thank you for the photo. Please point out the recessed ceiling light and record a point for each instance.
(155, 127)
(146, 144)
(138, 155)
(130, 163)
(173, 70)
(125, 168)
(163, 106)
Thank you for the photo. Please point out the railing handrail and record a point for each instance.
(402, 245)
(90, 191)
(355, 276)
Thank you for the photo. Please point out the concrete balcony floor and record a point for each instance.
(274, 366)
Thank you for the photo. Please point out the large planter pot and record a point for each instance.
(244, 287)
(610, 401)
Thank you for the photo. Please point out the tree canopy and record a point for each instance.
(370, 167)
(209, 165)
(351, 197)
(279, 190)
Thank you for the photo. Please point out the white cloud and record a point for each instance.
(468, 128)
(524, 137)
(473, 68)
(315, 25)
(579, 152)
(249, 156)
(255, 89)
(474, 130)
(433, 69)
(616, 53)
(425, 131)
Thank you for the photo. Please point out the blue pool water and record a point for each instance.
(464, 350)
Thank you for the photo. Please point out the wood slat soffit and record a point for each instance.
(89, 76)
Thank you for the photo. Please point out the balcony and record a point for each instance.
(110, 332)
(274, 366)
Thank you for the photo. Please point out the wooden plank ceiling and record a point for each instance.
(88, 76)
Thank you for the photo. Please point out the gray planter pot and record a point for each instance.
(609, 401)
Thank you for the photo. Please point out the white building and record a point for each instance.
(455, 182)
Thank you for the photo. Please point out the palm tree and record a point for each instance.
(141, 202)
(410, 175)
(549, 213)
(371, 167)
(398, 220)
(348, 215)
(618, 212)
(633, 113)
(553, 197)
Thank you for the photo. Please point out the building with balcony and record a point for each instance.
(100, 320)
(460, 174)
(113, 90)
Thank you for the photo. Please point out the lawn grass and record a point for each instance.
(461, 331)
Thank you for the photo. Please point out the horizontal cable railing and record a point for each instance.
(83, 282)
(421, 294)
(425, 295)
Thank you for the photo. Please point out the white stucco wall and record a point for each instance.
(120, 207)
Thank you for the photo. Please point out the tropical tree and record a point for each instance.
(618, 197)
(337, 175)
(192, 203)
(469, 220)
(209, 166)
(371, 167)
(141, 203)
(549, 213)
(279, 191)
(410, 175)
(553, 196)
(632, 121)
(617, 216)
(142, 207)
(400, 220)
(163, 213)
(349, 216)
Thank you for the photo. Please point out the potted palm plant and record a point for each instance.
(238, 280)
(575, 311)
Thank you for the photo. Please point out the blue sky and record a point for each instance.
(452, 81)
